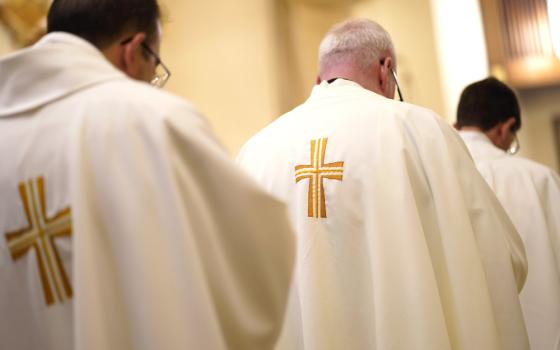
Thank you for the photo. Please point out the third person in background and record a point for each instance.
(489, 117)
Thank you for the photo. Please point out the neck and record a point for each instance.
(471, 128)
(112, 54)
(490, 134)
(349, 72)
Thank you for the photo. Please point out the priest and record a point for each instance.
(123, 223)
(489, 118)
(401, 244)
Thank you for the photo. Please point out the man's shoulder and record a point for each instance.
(128, 91)
(121, 106)
(381, 118)
(136, 101)
(364, 110)
(535, 168)
(520, 166)
(417, 121)
(397, 111)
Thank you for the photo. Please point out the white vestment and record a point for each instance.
(530, 194)
(123, 223)
(401, 244)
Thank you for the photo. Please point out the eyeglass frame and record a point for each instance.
(394, 74)
(155, 80)
(514, 147)
(401, 98)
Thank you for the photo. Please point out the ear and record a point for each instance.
(504, 130)
(501, 134)
(385, 77)
(510, 123)
(131, 55)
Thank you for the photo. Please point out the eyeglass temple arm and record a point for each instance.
(397, 83)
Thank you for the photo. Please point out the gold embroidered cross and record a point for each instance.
(40, 235)
(316, 172)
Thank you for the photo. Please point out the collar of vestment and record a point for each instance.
(482, 141)
(339, 87)
(477, 136)
(58, 65)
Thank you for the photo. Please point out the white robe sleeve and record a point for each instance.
(174, 247)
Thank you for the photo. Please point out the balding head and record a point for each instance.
(359, 50)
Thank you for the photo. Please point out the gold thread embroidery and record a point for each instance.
(316, 172)
(40, 235)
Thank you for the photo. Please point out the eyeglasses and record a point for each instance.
(162, 73)
(398, 87)
(515, 146)
(382, 61)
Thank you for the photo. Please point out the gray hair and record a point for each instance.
(357, 41)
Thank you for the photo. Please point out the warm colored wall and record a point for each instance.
(221, 54)
(461, 49)
(418, 71)
(245, 63)
(411, 26)
(301, 25)
(537, 135)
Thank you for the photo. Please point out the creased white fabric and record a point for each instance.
(415, 252)
(173, 247)
(530, 194)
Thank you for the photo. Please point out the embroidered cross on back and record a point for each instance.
(39, 235)
(316, 173)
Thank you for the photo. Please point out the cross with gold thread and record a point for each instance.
(40, 235)
(316, 172)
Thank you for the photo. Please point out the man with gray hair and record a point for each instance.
(401, 244)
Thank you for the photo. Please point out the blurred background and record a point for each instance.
(245, 62)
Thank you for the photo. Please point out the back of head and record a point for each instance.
(102, 21)
(357, 42)
(487, 103)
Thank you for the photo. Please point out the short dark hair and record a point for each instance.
(487, 103)
(102, 21)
